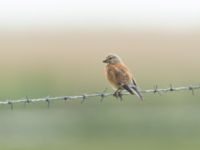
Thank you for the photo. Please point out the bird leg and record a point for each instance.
(118, 94)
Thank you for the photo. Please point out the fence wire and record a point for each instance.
(102, 95)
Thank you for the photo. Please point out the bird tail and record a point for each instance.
(133, 90)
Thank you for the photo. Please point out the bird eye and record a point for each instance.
(109, 58)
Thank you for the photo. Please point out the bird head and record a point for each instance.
(112, 59)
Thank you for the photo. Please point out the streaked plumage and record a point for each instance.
(119, 76)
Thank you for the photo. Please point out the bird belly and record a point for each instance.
(112, 79)
(113, 84)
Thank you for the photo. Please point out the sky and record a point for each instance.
(106, 13)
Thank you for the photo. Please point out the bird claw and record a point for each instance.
(118, 95)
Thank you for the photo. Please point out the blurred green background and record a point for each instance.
(56, 48)
(39, 64)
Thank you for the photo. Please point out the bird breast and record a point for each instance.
(118, 74)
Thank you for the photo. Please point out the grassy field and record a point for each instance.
(69, 63)
(162, 122)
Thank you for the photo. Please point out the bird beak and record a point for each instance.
(105, 61)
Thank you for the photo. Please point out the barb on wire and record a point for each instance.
(156, 90)
(102, 95)
(11, 104)
(191, 89)
(48, 101)
(84, 97)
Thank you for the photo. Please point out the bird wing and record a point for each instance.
(125, 78)
(134, 83)
(122, 74)
(137, 92)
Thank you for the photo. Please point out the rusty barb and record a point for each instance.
(102, 95)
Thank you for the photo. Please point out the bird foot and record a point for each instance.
(118, 95)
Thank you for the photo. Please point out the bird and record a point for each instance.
(120, 77)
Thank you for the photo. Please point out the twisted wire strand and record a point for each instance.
(102, 95)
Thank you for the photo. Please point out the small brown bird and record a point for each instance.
(120, 77)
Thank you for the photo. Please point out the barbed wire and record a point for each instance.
(102, 95)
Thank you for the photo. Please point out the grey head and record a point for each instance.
(112, 59)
